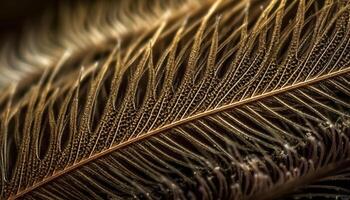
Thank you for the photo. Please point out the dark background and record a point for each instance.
(16, 13)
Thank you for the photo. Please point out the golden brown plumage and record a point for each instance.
(207, 100)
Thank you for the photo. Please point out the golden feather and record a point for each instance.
(221, 99)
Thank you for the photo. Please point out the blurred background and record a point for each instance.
(15, 13)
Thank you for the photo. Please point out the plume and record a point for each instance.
(235, 99)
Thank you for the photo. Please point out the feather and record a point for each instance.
(231, 100)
